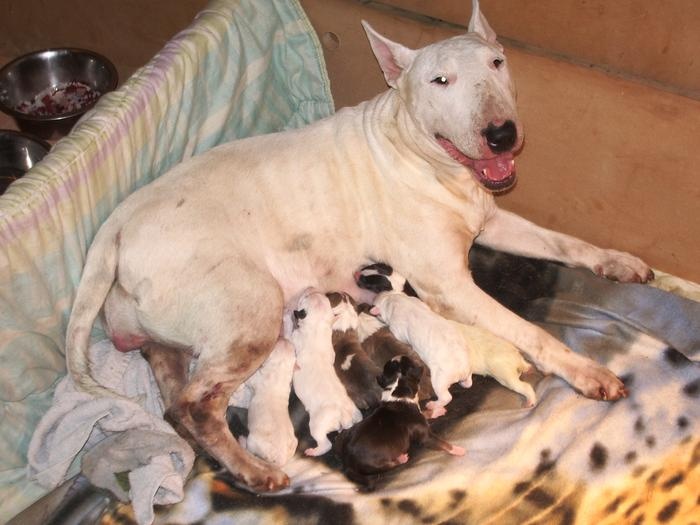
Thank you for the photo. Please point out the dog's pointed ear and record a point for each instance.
(393, 58)
(479, 25)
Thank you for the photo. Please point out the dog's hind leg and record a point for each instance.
(236, 336)
(170, 368)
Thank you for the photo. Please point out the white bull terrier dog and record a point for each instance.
(204, 258)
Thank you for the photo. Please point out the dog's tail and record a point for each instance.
(98, 276)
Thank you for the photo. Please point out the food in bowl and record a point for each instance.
(56, 100)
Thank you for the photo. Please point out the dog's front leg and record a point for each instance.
(511, 233)
(462, 300)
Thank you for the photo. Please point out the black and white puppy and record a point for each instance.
(380, 345)
(383, 439)
(355, 369)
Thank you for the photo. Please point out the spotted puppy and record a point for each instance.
(266, 396)
(355, 369)
(488, 354)
(382, 440)
(315, 381)
(380, 345)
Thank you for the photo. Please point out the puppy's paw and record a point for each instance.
(457, 450)
(623, 267)
(433, 410)
(597, 382)
(318, 451)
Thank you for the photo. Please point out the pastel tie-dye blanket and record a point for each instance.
(242, 68)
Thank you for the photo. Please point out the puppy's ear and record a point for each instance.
(389, 374)
(408, 290)
(335, 298)
(363, 308)
(374, 283)
(350, 299)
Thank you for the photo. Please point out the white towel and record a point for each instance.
(118, 436)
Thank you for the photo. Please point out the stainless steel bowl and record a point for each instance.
(52, 69)
(18, 153)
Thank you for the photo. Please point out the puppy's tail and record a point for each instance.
(97, 278)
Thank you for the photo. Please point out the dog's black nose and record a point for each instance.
(500, 138)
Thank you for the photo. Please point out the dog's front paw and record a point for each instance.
(597, 382)
(623, 267)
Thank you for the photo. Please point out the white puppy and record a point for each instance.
(436, 340)
(315, 381)
(266, 396)
(490, 355)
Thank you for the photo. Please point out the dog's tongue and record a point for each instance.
(496, 169)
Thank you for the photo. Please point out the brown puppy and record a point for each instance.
(353, 366)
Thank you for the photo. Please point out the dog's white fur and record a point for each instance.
(437, 341)
(315, 381)
(266, 396)
(204, 258)
(367, 324)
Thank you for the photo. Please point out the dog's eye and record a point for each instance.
(441, 80)
(497, 63)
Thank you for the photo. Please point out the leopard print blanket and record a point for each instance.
(569, 460)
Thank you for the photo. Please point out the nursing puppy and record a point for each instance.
(315, 382)
(355, 369)
(381, 346)
(438, 342)
(266, 396)
(488, 354)
(382, 440)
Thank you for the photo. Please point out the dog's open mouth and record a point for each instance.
(495, 173)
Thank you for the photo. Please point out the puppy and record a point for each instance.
(436, 340)
(355, 369)
(266, 395)
(314, 379)
(488, 354)
(382, 440)
(381, 345)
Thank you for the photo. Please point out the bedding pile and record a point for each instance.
(567, 460)
(242, 68)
